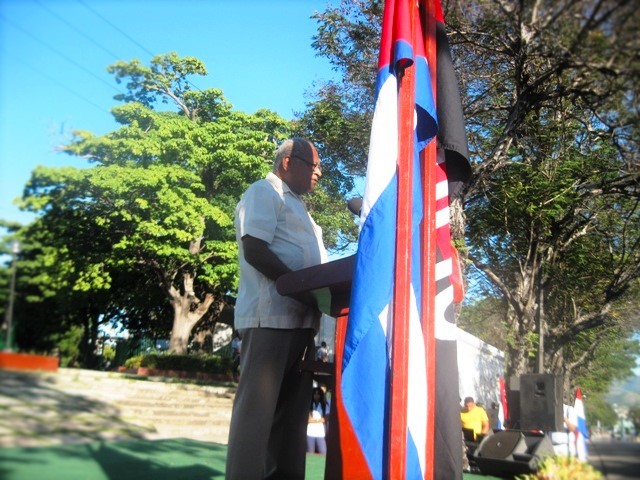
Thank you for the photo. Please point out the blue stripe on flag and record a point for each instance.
(373, 272)
(366, 360)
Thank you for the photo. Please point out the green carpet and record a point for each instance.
(176, 459)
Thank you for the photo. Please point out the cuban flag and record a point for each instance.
(367, 353)
(582, 432)
(364, 377)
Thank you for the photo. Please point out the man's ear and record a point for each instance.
(285, 163)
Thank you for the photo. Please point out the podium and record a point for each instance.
(330, 284)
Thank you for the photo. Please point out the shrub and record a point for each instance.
(187, 363)
(563, 468)
(68, 344)
(134, 362)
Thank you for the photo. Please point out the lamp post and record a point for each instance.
(15, 249)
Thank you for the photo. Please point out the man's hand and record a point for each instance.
(308, 299)
(258, 254)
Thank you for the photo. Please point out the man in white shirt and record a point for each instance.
(276, 235)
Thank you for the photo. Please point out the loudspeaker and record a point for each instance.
(510, 452)
(541, 402)
(502, 445)
(513, 401)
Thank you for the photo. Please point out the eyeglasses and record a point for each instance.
(311, 164)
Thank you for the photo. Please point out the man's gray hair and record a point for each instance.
(288, 149)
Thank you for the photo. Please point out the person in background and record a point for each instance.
(317, 427)
(494, 416)
(474, 418)
(322, 355)
(275, 235)
(236, 344)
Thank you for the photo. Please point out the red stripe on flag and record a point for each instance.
(347, 460)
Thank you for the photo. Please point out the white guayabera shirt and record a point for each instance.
(271, 212)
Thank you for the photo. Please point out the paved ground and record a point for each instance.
(79, 406)
(616, 459)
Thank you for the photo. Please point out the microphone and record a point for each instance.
(354, 205)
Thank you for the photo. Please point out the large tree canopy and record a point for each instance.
(154, 214)
(550, 93)
(553, 215)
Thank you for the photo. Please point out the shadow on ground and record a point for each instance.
(34, 413)
(132, 459)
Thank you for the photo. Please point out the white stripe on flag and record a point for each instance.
(444, 330)
(383, 146)
(442, 217)
(442, 189)
(416, 411)
(444, 269)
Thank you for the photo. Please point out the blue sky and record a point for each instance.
(54, 55)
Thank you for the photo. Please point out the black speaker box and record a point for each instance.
(502, 445)
(513, 401)
(541, 402)
(510, 452)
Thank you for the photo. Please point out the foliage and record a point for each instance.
(108, 353)
(598, 410)
(144, 238)
(68, 346)
(484, 318)
(553, 209)
(563, 468)
(186, 363)
(133, 362)
(152, 219)
(550, 95)
(634, 416)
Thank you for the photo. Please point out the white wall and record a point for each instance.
(479, 367)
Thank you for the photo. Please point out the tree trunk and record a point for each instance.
(184, 320)
(182, 326)
(517, 357)
(89, 342)
(188, 310)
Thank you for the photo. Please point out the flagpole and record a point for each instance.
(428, 165)
(402, 285)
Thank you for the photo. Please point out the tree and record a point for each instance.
(552, 213)
(158, 205)
(550, 95)
(634, 416)
(6, 271)
(105, 221)
(154, 214)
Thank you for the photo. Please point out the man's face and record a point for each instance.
(303, 169)
(469, 405)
